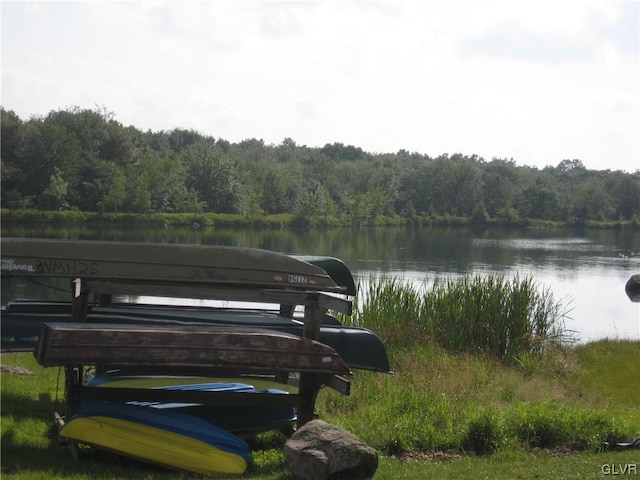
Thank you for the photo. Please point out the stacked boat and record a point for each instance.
(168, 418)
(22, 322)
(186, 436)
(160, 436)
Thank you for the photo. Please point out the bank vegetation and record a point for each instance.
(83, 161)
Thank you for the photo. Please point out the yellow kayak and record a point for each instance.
(165, 438)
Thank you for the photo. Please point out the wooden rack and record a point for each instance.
(186, 350)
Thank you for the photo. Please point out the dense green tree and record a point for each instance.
(12, 176)
(279, 190)
(368, 206)
(625, 194)
(156, 184)
(479, 216)
(315, 200)
(54, 196)
(444, 186)
(573, 167)
(214, 178)
(11, 139)
(45, 147)
(466, 186)
(538, 200)
(179, 139)
(341, 152)
(83, 159)
(591, 202)
(110, 186)
(499, 183)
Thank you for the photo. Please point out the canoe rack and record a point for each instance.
(185, 350)
(99, 270)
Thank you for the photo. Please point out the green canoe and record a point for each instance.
(162, 263)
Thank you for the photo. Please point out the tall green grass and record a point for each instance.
(506, 319)
(464, 403)
(438, 404)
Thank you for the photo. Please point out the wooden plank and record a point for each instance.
(281, 297)
(332, 302)
(251, 349)
(339, 384)
(313, 317)
(80, 305)
(309, 383)
(264, 399)
(69, 444)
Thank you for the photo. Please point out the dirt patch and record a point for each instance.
(432, 457)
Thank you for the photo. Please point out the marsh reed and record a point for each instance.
(492, 315)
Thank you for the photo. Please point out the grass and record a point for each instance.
(541, 465)
(440, 401)
(282, 220)
(605, 369)
(441, 415)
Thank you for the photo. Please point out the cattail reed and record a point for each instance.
(484, 314)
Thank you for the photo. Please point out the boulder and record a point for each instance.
(318, 451)
(632, 287)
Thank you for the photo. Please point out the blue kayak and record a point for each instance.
(237, 419)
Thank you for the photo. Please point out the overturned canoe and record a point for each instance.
(22, 321)
(359, 347)
(234, 349)
(162, 263)
(162, 437)
(335, 268)
(237, 419)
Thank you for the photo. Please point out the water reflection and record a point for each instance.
(587, 269)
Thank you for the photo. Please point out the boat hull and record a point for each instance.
(234, 349)
(240, 420)
(22, 323)
(165, 438)
(204, 265)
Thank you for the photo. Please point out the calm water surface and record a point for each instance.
(584, 269)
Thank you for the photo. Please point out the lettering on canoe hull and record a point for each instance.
(65, 267)
(10, 265)
(90, 268)
(73, 267)
(300, 280)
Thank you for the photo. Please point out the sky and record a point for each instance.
(533, 81)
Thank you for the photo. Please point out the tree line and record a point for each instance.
(83, 159)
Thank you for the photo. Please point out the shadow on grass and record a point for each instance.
(39, 453)
(35, 449)
(21, 406)
(54, 460)
(20, 457)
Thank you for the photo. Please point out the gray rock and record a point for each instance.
(318, 451)
(14, 369)
(632, 287)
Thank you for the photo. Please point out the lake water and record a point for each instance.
(584, 269)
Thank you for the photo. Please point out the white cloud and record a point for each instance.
(536, 81)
